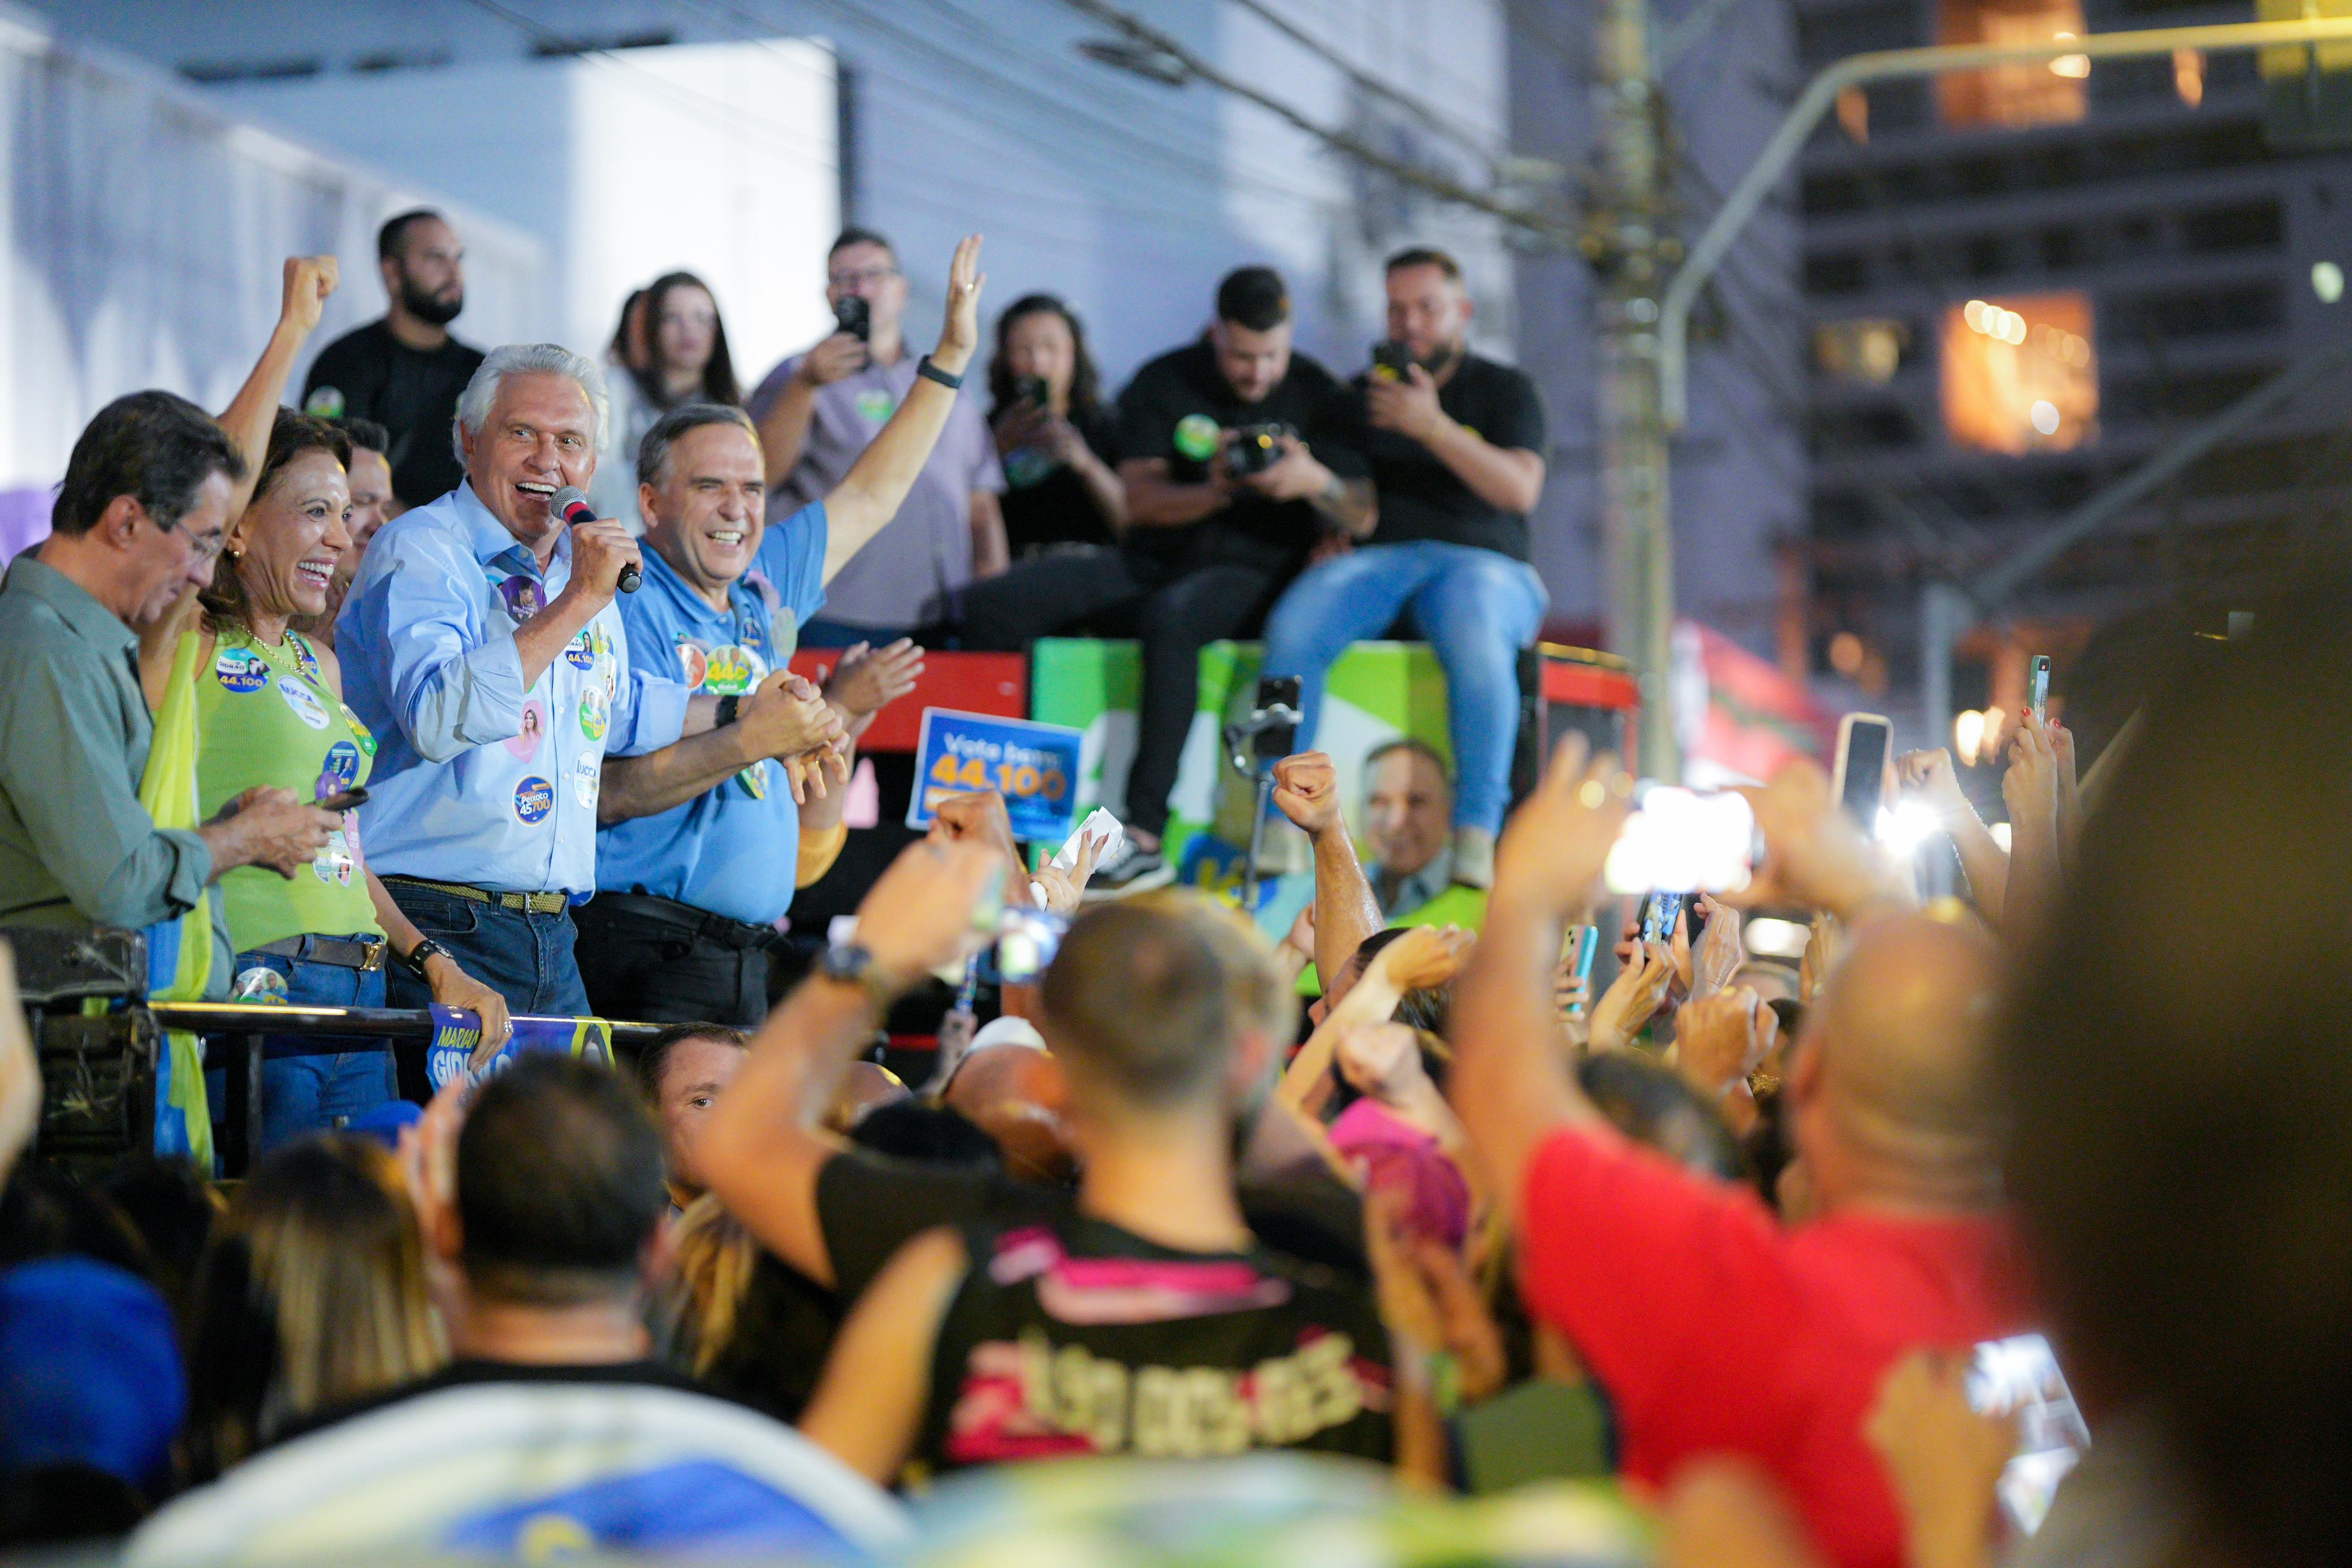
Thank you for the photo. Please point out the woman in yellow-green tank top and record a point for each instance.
(270, 716)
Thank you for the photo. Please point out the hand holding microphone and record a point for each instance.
(592, 547)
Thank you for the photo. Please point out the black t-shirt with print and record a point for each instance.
(413, 393)
(1044, 501)
(1420, 496)
(1185, 385)
(1073, 1336)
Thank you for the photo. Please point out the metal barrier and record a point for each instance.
(233, 1033)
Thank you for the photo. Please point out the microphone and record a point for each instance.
(571, 505)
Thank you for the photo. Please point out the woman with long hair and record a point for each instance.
(270, 714)
(686, 359)
(1052, 431)
(311, 1296)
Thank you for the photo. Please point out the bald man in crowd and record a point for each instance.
(1712, 1328)
(1015, 1094)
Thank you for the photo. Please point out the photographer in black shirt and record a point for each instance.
(1237, 462)
(1455, 445)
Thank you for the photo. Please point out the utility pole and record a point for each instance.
(1628, 245)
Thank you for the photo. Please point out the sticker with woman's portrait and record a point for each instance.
(534, 730)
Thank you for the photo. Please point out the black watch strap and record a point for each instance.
(730, 707)
(414, 959)
(852, 963)
(931, 372)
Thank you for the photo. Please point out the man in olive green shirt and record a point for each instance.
(138, 522)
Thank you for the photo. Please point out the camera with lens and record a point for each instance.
(855, 316)
(1032, 390)
(1255, 448)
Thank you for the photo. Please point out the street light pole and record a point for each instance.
(1625, 240)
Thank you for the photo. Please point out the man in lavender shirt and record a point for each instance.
(817, 411)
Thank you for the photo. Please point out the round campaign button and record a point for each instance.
(734, 671)
(241, 670)
(534, 799)
(360, 732)
(521, 596)
(258, 984)
(595, 709)
(1196, 437)
(305, 703)
(876, 404)
(578, 653)
(693, 662)
(586, 774)
(333, 862)
(342, 770)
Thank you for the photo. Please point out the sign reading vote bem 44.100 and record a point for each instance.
(1034, 765)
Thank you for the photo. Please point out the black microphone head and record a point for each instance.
(571, 504)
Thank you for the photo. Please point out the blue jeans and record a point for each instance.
(525, 957)
(311, 1083)
(1475, 608)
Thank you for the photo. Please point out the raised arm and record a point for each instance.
(2031, 789)
(764, 1145)
(869, 494)
(1510, 1083)
(249, 416)
(1307, 789)
(1927, 778)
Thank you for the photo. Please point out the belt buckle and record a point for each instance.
(375, 948)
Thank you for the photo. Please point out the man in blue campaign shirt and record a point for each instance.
(481, 648)
(693, 885)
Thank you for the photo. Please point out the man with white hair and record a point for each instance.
(482, 650)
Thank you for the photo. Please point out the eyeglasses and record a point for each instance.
(862, 275)
(206, 549)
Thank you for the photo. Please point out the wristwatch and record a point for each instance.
(931, 372)
(414, 960)
(728, 707)
(852, 963)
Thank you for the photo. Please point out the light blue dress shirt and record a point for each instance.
(476, 779)
(733, 849)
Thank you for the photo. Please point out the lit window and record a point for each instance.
(2019, 375)
(2029, 93)
(1861, 350)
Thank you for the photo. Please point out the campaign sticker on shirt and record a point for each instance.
(325, 402)
(693, 662)
(734, 671)
(754, 779)
(333, 861)
(534, 730)
(876, 404)
(586, 774)
(534, 799)
(521, 596)
(305, 703)
(360, 732)
(342, 770)
(596, 713)
(1196, 437)
(578, 653)
(241, 670)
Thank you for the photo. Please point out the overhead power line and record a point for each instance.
(1426, 181)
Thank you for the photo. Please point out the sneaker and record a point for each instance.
(1473, 857)
(1136, 870)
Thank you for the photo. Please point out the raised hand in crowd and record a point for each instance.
(2070, 794)
(1633, 999)
(1814, 856)
(1424, 956)
(980, 818)
(1307, 791)
(1720, 1040)
(1383, 1060)
(2030, 788)
(269, 827)
(1927, 778)
(20, 1071)
(1061, 892)
(869, 679)
(1943, 1457)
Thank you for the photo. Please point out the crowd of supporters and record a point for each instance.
(2002, 1229)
